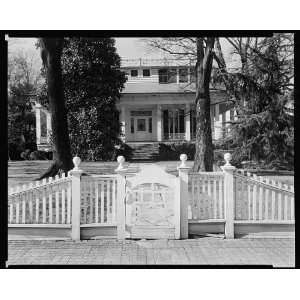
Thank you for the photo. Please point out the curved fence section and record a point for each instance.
(45, 202)
(261, 199)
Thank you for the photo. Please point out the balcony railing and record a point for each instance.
(174, 136)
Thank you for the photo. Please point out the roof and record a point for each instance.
(143, 62)
(155, 87)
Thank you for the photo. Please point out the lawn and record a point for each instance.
(23, 172)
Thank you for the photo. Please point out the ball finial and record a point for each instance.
(183, 158)
(227, 158)
(120, 160)
(76, 162)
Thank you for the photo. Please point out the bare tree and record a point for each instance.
(199, 50)
(51, 51)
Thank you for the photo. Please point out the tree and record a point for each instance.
(51, 51)
(93, 82)
(201, 51)
(92, 85)
(23, 80)
(262, 90)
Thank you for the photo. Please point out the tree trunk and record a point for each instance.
(204, 155)
(51, 51)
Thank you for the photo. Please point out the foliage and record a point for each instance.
(92, 85)
(21, 121)
(172, 151)
(263, 90)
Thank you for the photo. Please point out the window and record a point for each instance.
(150, 125)
(167, 75)
(141, 124)
(183, 75)
(193, 77)
(132, 125)
(134, 73)
(146, 73)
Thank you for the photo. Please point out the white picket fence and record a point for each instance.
(81, 204)
(45, 202)
(98, 199)
(261, 199)
(206, 196)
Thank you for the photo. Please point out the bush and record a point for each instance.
(40, 155)
(172, 151)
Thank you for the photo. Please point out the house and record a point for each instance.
(157, 105)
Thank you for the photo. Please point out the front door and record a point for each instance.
(141, 126)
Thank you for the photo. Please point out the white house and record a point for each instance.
(156, 105)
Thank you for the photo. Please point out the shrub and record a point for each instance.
(172, 151)
(40, 155)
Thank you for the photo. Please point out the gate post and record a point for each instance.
(229, 196)
(121, 193)
(183, 171)
(76, 174)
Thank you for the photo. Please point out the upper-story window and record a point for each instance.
(192, 73)
(134, 73)
(167, 75)
(146, 72)
(183, 75)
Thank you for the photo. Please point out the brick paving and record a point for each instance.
(202, 251)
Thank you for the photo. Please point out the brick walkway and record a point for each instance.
(207, 251)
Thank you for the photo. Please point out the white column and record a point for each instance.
(123, 123)
(212, 122)
(121, 194)
(184, 192)
(229, 196)
(227, 119)
(159, 123)
(218, 123)
(49, 127)
(187, 122)
(177, 75)
(38, 122)
(76, 175)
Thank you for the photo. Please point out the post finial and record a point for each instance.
(76, 162)
(183, 158)
(121, 161)
(227, 158)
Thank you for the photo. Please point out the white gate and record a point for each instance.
(152, 205)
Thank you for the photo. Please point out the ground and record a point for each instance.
(201, 251)
(21, 172)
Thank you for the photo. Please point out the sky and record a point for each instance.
(128, 48)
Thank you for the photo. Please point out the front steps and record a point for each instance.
(144, 150)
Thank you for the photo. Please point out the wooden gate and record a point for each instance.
(152, 205)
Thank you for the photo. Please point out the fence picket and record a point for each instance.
(69, 195)
(286, 203)
(249, 199)
(11, 211)
(215, 199)
(292, 208)
(96, 202)
(114, 201)
(108, 201)
(23, 195)
(254, 201)
(44, 205)
(221, 212)
(91, 202)
(273, 202)
(57, 206)
(102, 202)
(63, 206)
(267, 203)
(279, 203)
(260, 200)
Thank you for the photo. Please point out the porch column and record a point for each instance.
(123, 124)
(159, 123)
(218, 125)
(187, 122)
(49, 127)
(38, 122)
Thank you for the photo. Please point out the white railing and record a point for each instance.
(45, 202)
(206, 199)
(258, 198)
(98, 199)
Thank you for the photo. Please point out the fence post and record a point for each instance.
(229, 196)
(121, 193)
(183, 171)
(76, 176)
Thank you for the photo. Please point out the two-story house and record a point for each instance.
(157, 104)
